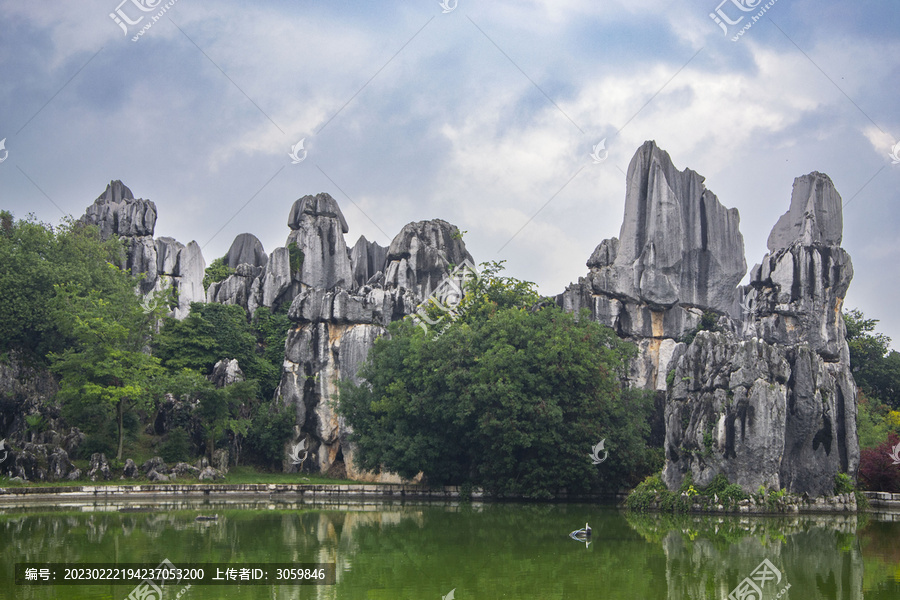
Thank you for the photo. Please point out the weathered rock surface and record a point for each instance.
(118, 212)
(775, 405)
(338, 317)
(246, 249)
(164, 262)
(768, 399)
(99, 467)
(226, 372)
(679, 253)
(317, 228)
(155, 464)
(814, 218)
(210, 474)
(130, 470)
(677, 245)
(421, 255)
(367, 260)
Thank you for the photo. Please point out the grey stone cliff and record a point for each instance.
(336, 326)
(164, 262)
(767, 397)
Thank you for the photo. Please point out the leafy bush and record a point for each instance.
(295, 258)
(877, 472)
(177, 447)
(511, 398)
(217, 271)
(269, 429)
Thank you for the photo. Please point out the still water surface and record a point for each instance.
(394, 551)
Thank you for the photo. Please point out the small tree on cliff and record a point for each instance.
(511, 397)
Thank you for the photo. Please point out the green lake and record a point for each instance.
(437, 551)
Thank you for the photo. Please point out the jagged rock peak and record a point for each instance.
(116, 191)
(117, 212)
(814, 218)
(420, 256)
(320, 205)
(246, 249)
(678, 244)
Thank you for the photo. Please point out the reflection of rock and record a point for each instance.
(720, 555)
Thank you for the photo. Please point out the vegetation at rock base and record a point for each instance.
(510, 397)
(70, 307)
(652, 494)
(877, 471)
(876, 370)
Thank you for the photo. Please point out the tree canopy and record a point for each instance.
(511, 397)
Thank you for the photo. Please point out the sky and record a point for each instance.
(484, 114)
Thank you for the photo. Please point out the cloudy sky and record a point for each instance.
(481, 113)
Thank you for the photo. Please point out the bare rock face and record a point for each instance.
(367, 260)
(677, 245)
(246, 249)
(679, 253)
(767, 398)
(99, 468)
(336, 324)
(118, 212)
(130, 470)
(421, 255)
(773, 402)
(226, 372)
(318, 225)
(815, 217)
(164, 262)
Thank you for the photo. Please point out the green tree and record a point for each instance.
(876, 368)
(213, 332)
(218, 270)
(34, 259)
(511, 397)
(106, 368)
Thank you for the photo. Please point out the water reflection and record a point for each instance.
(423, 550)
(707, 557)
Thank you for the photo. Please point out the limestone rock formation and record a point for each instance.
(99, 467)
(766, 397)
(775, 404)
(246, 249)
(679, 253)
(118, 212)
(814, 218)
(420, 256)
(164, 262)
(226, 372)
(317, 227)
(366, 261)
(337, 321)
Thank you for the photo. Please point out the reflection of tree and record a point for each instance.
(881, 554)
(706, 557)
